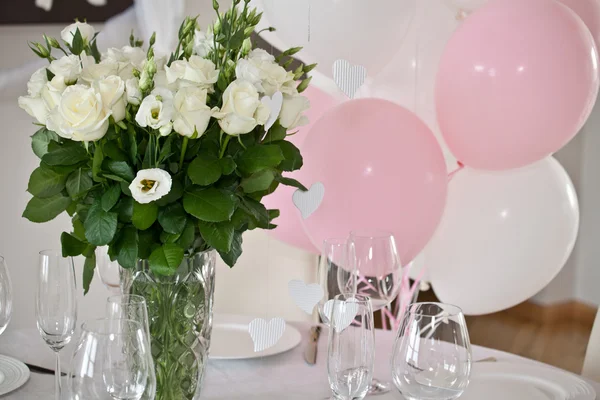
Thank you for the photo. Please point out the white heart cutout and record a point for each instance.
(348, 77)
(305, 296)
(274, 104)
(266, 334)
(310, 201)
(345, 315)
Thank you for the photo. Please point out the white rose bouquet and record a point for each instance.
(162, 158)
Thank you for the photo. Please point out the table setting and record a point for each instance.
(164, 161)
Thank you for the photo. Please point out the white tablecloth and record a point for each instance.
(284, 376)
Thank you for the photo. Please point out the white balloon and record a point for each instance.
(504, 236)
(358, 31)
(409, 80)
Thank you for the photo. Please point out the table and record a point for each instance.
(284, 376)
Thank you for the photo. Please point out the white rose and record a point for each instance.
(53, 91)
(127, 54)
(195, 72)
(192, 115)
(150, 185)
(67, 67)
(292, 110)
(87, 32)
(93, 72)
(35, 107)
(260, 55)
(156, 111)
(112, 90)
(242, 110)
(134, 94)
(276, 79)
(80, 115)
(203, 43)
(249, 71)
(37, 82)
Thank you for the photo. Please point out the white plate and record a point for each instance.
(13, 374)
(517, 381)
(230, 339)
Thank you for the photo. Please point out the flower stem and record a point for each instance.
(183, 150)
(224, 146)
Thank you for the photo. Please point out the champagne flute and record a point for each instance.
(377, 273)
(5, 296)
(432, 353)
(351, 352)
(133, 307)
(110, 362)
(56, 304)
(334, 273)
(110, 271)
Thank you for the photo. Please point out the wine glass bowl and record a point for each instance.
(334, 273)
(5, 296)
(431, 358)
(109, 271)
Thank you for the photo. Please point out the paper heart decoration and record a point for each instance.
(266, 334)
(310, 201)
(345, 313)
(305, 296)
(349, 78)
(274, 104)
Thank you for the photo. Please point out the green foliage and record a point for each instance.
(100, 226)
(144, 215)
(166, 259)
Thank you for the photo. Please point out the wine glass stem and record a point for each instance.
(57, 388)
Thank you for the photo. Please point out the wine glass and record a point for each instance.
(5, 296)
(432, 353)
(351, 352)
(110, 362)
(56, 304)
(133, 307)
(377, 273)
(334, 273)
(110, 271)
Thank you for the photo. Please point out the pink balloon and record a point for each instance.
(289, 228)
(517, 81)
(382, 169)
(589, 12)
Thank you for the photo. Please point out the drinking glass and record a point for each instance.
(334, 273)
(5, 296)
(431, 359)
(133, 307)
(56, 304)
(351, 352)
(110, 271)
(110, 362)
(377, 273)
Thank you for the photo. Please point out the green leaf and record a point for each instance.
(256, 210)
(144, 215)
(69, 153)
(115, 178)
(210, 205)
(187, 237)
(88, 272)
(121, 169)
(110, 197)
(129, 143)
(258, 181)
(291, 182)
(44, 210)
(227, 165)
(97, 164)
(166, 259)
(79, 182)
(147, 242)
(175, 194)
(172, 218)
(78, 229)
(40, 141)
(275, 134)
(231, 257)
(166, 237)
(165, 151)
(77, 44)
(293, 159)
(111, 149)
(205, 169)
(259, 157)
(218, 235)
(45, 182)
(127, 247)
(125, 209)
(71, 246)
(100, 226)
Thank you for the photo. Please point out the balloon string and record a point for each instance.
(460, 167)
